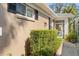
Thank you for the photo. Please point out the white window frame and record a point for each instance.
(0, 31)
(25, 16)
(33, 14)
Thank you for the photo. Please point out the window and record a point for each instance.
(36, 14)
(12, 7)
(17, 8)
(29, 12)
(45, 24)
(21, 9)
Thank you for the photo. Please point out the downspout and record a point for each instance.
(63, 29)
(49, 23)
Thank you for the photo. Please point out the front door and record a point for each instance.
(60, 28)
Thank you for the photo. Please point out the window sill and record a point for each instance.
(25, 18)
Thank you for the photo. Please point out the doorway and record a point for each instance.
(59, 26)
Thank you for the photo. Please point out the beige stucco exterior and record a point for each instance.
(16, 28)
(16, 31)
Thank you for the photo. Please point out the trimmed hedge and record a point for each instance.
(44, 42)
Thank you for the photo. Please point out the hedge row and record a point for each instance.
(44, 42)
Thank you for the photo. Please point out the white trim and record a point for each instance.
(0, 31)
(33, 14)
(24, 17)
(64, 15)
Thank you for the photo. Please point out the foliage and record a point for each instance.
(71, 37)
(44, 42)
(56, 44)
(70, 25)
(70, 9)
(57, 7)
(64, 8)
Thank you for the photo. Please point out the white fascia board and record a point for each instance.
(65, 15)
(53, 13)
(0, 31)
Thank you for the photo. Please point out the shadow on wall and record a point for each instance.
(27, 48)
(7, 31)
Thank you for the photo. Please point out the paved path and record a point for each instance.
(70, 49)
(77, 47)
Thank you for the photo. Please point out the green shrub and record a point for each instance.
(71, 37)
(56, 44)
(44, 42)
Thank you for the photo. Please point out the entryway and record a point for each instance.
(59, 25)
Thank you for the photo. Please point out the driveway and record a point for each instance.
(70, 49)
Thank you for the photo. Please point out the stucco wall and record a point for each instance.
(16, 31)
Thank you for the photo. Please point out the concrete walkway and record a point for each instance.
(77, 47)
(70, 49)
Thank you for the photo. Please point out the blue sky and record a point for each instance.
(77, 4)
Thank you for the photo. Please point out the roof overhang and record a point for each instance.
(67, 15)
(44, 9)
(64, 16)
